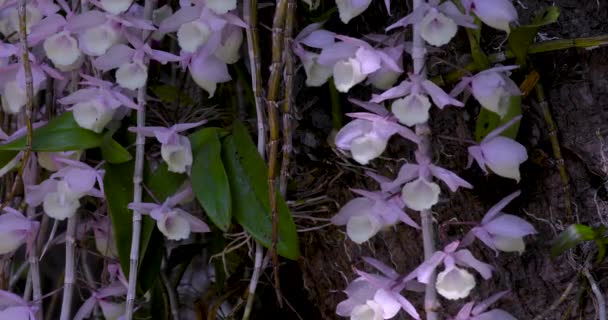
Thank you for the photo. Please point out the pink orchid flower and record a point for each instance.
(15, 230)
(492, 88)
(501, 154)
(414, 107)
(174, 223)
(314, 37)
(94, 106)
(376, 294)
(477, 311)
(348, 9)
(365, 216)
(366, 137)
(14, 307)
(418, 193)
(175, 149)
(132, 71)
(501, 231)
(438, 22)
(104, 237)
(498, 14)
(101, 298)
(453, 282)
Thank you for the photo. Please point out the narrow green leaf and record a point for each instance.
(60, 134)
(209, 180)
(6, 157)
(522, 37)
(159, 302)
(479, 57)
(573, 236)
(488, 120)
(113, 152)
(247, 174)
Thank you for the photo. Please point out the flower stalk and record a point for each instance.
(70, 257)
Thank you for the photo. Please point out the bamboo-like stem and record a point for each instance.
(250, 15)
(555, 146)
(35, 271)
(288, 97)
(424, 147)
(29, 104)
(250, 8)
(274, 88)
(70, 257)
(540, 47)
(138, 171)
(599, 296)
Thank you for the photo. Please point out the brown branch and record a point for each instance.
(274, 86)
(288, 96)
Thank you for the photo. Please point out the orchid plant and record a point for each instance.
(94, 61)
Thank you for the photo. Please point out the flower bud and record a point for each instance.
(62, 49)
(105, 244)
(132, 75)
(455, 284)
(192, 35)
(177, 156)
(13, 98)
(92, 115)
(412, 109)
(347, 73)
(97, 40)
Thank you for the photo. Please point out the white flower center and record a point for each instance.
(228, 51)
(62, 49)
(316, 74)
(92, 115)
(60, 204)
(174, 227)
(362, 227)
(347, 73)
(177, 156)
(132, 75)
(97, 40)
(13, 97)
(221, 6)
(412, 110)
(371, 310)
(192, 35)
(112, 310)
(349, 9)
(115, 6)
(508, 244)
(367, 147)
(420, 194)
(437, 29)
(455, 284)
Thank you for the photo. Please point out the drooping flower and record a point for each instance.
(412, 104)
(501, 231)
(365, 216)
(366, 137)
(453, 282)
(477, 311)
(498, 14)
(15, 230)
(372, 296)
(104, 237)
(492, 88)
(175, 148)
(349, 9)
(312, 36)
(418, 192)
(48, 160)
(438, 22)
(501, 154)
(102, 298)
(174, 223)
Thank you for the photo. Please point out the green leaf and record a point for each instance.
(6, 157)
(209, 180)
(171, 94)
(573, 236)
(247, 174)
(479, 57)
(522, 37)
(159, 302)
(113, 152)
(60, 134)
(488, 120)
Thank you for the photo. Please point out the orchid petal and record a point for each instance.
(398, 91)
(508, 225)
(465, 258)
(449, 178)
(440, 98)
(497, 208)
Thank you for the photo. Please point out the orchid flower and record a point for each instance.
(498, 14)
(349, 9)
(111, 310)
(418, 193)
(104, 237)
(477, 311)
(13, 163)
(158, 16)
(174, 223)
(438, 22)
(34, 12)
(15, 230)
(492, 88)
(365, 216)
(132, 71)
(414, 107)
(115, 273)
(366, 136)
(12, 78)
(453, 282)
(93, 107)
(501, 231)
(372, 296)
(385, 77)
(314, 37)
(14, 307)
(501, 154)
(353, 60)
(175, 149)
(48, 160)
